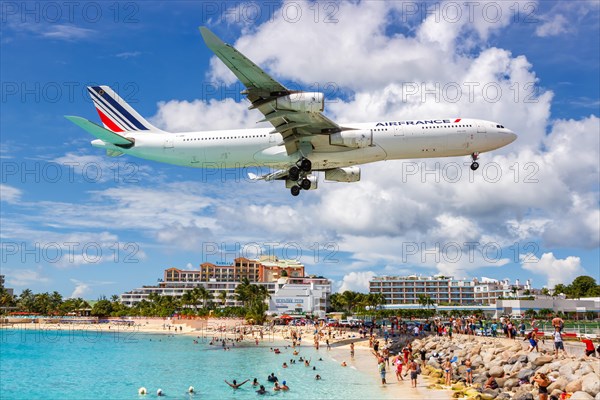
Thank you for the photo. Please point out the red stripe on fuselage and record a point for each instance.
(108, 122)
(457, 120)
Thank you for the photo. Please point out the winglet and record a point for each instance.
(210, 38)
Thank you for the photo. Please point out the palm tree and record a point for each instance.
(223, 297)
(200, 293)
(350, 300)
(25, 301)
(242, 291)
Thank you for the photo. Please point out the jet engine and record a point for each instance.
(302, 102)
(346, 174)
(352, 138)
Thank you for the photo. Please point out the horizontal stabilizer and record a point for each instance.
(101, 133)
(114, 153)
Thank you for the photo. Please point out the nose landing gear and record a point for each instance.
(474, 164)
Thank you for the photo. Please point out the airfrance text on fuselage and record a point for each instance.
(423, 122)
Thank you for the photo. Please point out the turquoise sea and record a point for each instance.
(93, 364)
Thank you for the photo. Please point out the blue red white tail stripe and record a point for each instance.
(115, 113)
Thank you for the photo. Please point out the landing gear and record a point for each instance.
(474, 164)
(305, 184)
(305, 165)
(294, 173)
(298, 174)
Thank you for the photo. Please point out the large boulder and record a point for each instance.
(591, 384)
(510, 383)
(496, 372)
(541, 360)
(574, 386)
(582, 396)
(584, 369)
(477, 361)
(523, 358)
(525, 374)
(531, 357)
(523, 396)
(490, 394)
(568, 369)
(560, 383)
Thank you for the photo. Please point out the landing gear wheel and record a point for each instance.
(294, 173)
(305, 165)
(295, 190)
(474, 165)
(305, 184)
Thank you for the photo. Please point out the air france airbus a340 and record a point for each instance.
(302, 140)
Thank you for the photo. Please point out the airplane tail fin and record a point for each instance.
(115, 113)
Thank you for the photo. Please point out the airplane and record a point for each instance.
(302, 140)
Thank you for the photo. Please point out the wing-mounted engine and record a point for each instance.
(346, 174)
(313, 102)
(355, 138)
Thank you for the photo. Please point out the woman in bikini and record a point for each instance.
(469, 379)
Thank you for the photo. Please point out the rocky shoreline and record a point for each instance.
(512, 366)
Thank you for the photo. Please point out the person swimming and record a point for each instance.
(236, 385)
(261, 390)
(318, 377)
(255, 382)
(284, 386)
(272, 377)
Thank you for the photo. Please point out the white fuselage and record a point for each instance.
(391, 140)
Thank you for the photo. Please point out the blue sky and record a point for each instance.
(76, 221)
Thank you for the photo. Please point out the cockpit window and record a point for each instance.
(500, 126)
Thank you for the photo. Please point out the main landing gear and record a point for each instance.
(474, 164)
(299, 173)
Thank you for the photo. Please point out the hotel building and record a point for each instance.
(289, 289)
(399, 290)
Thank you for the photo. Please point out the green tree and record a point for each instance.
(102, 308)
(223, 297)
(545, 312)
(584, 286)
(530, 313)
(562, 289)
(26, 299)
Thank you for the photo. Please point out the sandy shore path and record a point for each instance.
(365, 362)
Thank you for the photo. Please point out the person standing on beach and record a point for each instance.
(423, 356)
(448, 371)
(382, 371)
(352, 350)
(469, 372)
(557, 322)
(398, 363)
(412, 367)
(533, 343)
(558, 342)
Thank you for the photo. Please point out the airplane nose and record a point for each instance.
(511, 137)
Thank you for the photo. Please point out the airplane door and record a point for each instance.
(399, 130)
(168, 143)
(480, 128)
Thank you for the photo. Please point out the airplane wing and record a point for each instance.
(268, 96)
